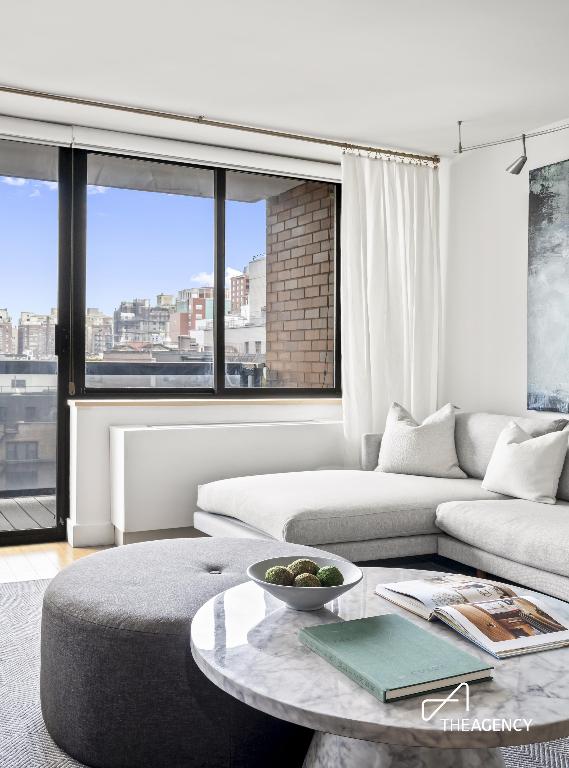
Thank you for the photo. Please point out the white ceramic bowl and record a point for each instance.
(305, 598)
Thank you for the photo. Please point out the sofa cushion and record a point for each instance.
(526, 467)
(476, 434)
(419, 449)
(331, 506)
(524, 531)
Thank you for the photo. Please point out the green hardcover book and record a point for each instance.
(392, 658)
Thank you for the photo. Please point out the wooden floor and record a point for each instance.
(26, 513)
(28, 562)
(38, 561)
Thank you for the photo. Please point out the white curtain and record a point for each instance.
(391, 292)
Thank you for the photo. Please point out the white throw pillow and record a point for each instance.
(408, 448)
(526, 467)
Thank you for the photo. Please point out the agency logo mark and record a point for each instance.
(451, 698)
(466, 723)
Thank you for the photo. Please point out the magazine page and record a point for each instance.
(404, 601)
(508, 626)
(448, 589)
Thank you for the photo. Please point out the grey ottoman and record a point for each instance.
(119, 687)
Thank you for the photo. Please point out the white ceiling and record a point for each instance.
(390, 72)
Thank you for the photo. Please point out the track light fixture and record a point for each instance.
(518, 164)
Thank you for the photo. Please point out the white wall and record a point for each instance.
(90, 487)
(484, 233)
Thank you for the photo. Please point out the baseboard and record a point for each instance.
(134, 537)
(98, 535)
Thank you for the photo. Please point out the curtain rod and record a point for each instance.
(202, 120)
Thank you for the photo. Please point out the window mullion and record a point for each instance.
(219, 303)
(78, 270)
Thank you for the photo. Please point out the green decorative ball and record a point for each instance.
(303, 566)
(280, 575)
(307, 580)
(330, 576)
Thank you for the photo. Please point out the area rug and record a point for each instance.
(24, 741)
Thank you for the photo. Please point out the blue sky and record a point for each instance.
(139, 244)
(28, 245)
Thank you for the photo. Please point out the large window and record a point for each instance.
(174, 279)
(206, 281)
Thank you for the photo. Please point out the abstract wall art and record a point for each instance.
(548, 288)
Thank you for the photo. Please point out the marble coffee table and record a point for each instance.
(246, 642)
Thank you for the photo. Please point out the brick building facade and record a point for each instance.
(239, 292)
(300, 286)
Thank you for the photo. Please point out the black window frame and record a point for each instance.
(76, 185)
(57, 532)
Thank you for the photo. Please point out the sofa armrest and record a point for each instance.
(371, 443)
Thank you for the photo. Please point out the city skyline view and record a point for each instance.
(150, 303)
(139, 244)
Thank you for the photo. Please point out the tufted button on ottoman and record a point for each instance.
(119, 686)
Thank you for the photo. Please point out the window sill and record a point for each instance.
(142, 402)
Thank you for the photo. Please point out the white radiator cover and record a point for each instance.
(156, 470)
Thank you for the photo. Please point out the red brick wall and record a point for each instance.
(300, 286)
(197, 313)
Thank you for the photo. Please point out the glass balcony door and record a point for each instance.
(29, 370)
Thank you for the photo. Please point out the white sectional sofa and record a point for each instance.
(370, 515)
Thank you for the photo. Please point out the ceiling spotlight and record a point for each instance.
(518, 164)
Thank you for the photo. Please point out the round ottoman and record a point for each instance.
(119, 686)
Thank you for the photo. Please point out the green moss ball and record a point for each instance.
(303, 566)
(307, 580)
(330, 576)
(280, 575)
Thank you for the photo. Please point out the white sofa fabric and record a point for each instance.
(336, 505)
(526, 467)
(525, 531)
(367, 515)
(476, 435)
(420, 449)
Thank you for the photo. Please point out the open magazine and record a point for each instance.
(487, 613)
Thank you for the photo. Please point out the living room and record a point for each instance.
(284, 302)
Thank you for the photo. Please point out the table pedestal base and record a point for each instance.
(330, 751)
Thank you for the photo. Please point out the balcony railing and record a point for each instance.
(247, 371)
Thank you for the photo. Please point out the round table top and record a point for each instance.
(246, 642)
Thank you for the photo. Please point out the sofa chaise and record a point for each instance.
(371, 515)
